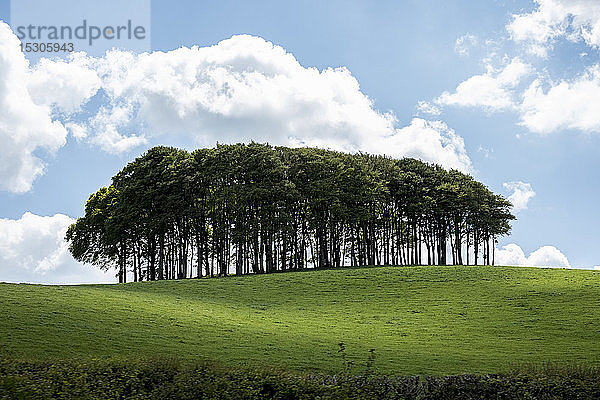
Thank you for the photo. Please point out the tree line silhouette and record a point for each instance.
(254, 208)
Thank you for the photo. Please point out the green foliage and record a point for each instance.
(172, 379)
(420, 320)
(254, 208)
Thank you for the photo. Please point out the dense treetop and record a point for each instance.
(254, 208)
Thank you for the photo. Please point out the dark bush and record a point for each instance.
(172, 379)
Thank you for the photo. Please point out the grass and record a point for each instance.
(419, 320)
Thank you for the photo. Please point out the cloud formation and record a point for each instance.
(544, 105)
(574, 20)
(520, 194)
(245, 88)
(566, 104)
(33, 249)
(26, 127)
(241, 89)
(545, 256)
(63, 85)
(426, 107)
(492, 91)
(570, 104)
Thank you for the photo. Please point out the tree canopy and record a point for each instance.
(255, 208)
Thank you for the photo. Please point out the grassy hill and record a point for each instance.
(433, 320)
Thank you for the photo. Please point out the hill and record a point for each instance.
(419, 320)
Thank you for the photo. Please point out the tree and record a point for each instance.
(253, 208)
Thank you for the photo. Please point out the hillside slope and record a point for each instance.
(435, 320)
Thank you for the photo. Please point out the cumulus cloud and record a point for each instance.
(107, 125)
(241, 89)
(520, 194)
(63, 84)
(78, 131)
(544, 105)
(26, 127)
(431, 141)
(548, 256)
(545, 256)
(33, 249)
(245, 88)
(566, 105)
(574, 20)
(492, 91)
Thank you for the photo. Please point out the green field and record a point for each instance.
(419, 320)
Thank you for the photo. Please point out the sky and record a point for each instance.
(506, 90)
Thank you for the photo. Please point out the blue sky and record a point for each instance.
(520, 80)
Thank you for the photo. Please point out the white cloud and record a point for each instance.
(510, 254)
(521, 193)
(78, 131)
(106, 125)
(464, 44)
(566, 105)
(546, 256)
(431, 141)
(574, 20)
(64, 84)
(25, 127)
(543, 105)
(428, 108)
(246, 88)
(241, 89)
(492, 91)
(33, 249)
(478, 91)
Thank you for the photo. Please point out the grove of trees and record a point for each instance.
(254, 208)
